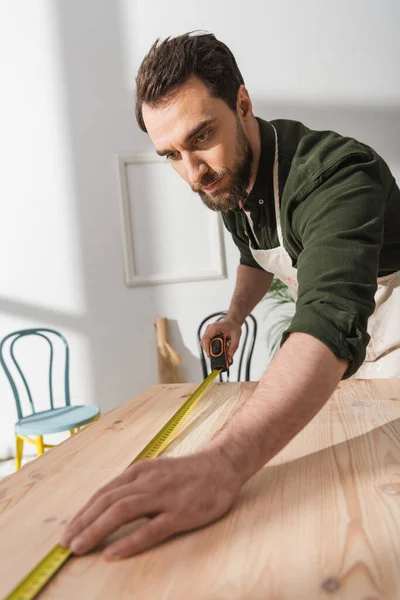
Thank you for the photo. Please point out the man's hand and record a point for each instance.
(177, 494)
(229, 326)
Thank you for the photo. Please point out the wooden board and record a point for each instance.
(321, 520)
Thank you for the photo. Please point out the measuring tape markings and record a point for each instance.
(41, 574)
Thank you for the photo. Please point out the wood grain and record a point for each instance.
(321, 520)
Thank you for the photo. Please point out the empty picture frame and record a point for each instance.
(169, 236)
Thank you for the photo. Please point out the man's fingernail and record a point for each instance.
(77, 544)
(65, 540)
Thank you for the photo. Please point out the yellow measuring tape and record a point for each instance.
(35, 581)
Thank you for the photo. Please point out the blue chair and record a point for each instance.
(67, 418)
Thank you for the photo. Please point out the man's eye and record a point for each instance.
(203, 137)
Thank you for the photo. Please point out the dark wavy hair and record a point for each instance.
(172, 62)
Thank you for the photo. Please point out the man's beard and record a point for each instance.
(224, 200)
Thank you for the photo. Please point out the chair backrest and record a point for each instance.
(244, 352)
(8, 350)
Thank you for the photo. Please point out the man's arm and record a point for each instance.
(181, 494)
(340, 229)
(296, 385)
(251, 285)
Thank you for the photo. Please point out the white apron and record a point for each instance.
(383, 351)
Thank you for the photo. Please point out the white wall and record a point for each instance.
(67, 76)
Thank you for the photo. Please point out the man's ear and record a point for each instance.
(244, 106)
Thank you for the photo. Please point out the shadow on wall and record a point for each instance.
(101, 122)
(99, 118)
(190, 363)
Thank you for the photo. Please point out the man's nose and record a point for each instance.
(195, 170)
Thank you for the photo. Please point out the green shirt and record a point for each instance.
(340, 215)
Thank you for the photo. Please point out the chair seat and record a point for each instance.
(58, 419)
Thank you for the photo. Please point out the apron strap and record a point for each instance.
(276, 189)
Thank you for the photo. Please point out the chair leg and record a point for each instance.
(39, 445)
(19, 443)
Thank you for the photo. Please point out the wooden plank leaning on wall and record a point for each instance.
(168, 359)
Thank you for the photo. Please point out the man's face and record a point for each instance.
(205, 142)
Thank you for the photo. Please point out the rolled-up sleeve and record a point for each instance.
(339, 224)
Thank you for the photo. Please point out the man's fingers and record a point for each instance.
(206, 339)
(123, 511)
(211, 331)
(101, 500)
(153, 532)
(127, 477)
(93, 509)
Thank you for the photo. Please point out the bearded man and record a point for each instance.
(316, 209)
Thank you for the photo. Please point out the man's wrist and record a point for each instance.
(235, 318)
(236, 470)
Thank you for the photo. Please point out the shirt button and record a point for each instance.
(261, 201)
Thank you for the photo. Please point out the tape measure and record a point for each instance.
(219, 352)
(41, 574)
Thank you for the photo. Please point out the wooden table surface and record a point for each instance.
(320, 521)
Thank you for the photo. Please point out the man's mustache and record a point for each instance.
(209, 179)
